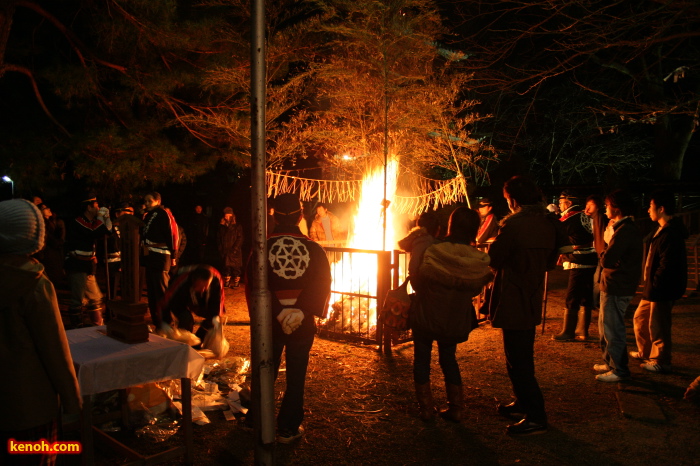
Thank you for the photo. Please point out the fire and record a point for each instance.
(368, 223)
(355, 275)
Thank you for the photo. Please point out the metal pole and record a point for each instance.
(261, 307)
(544, 300)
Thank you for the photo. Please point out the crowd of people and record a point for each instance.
(598, 242)
(601, 246)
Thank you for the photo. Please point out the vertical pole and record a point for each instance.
(383, 287)
(544, 300)
(261, 308)
(386, 153)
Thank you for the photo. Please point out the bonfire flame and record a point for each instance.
(355, 275)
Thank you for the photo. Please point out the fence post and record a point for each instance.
(383, 287)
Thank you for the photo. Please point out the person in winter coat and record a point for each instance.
(451, 273)
(82, 236)
(595, 210)
(665, 280)
(299, 279)
(35, 359)
(527, 246)
(198, 290)
(51, 256)
(581, 264)
(621, 265)
(488, 228)
(325, 226)
(160, 238)
(230, 243)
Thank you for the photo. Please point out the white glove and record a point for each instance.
(103, 214)
(290, 319)
(553, 208)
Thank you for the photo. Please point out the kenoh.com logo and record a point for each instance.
(42, 447)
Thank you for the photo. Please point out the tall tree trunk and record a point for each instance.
(672, 136)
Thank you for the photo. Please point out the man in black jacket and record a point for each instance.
(82, 234)
(665, 279)
(160, 240)
(621, 265)
(581, 264)
(299, 277)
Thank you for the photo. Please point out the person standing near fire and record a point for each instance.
(450, 274)
(325, 226)
(35, 360)
(665, 281)
(488, 226)
(93, 224)
(527, 246)
(229, 239)
(299, 279)
(581, 264)
(160, 240)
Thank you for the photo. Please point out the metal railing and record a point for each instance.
(361, 280)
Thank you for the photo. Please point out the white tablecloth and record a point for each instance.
(103, 363)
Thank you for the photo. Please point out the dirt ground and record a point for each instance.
(360, 405)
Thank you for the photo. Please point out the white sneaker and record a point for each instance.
(601, 368)
(288, 437)
(652, 366)
(610, 377)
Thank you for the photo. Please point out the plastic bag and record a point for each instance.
(215, 341)
(177, 334)
(396, 308)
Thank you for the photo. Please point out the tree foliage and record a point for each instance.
(385, 90)
(636, 60)
(112, 107)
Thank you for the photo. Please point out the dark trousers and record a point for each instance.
(422, 353)
(184, 313)
(157, 277)
(296, 347)
(580, 289)
(519, 347)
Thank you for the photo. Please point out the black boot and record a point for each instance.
(584, 321)
(567, 332)
(227, 281)
(236, 282)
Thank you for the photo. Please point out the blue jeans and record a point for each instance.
(613, 335)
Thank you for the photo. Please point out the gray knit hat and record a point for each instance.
(21, 227)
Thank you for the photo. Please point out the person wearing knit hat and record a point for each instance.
(21, 228)
(229, 240)
(35, 359)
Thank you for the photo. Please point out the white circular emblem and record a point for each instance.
(288, 258)
(587, 222)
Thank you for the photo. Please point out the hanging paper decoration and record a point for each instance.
(431, 194)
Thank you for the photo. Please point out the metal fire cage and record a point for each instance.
(353, 311)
